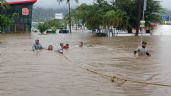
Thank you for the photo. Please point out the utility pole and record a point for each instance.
(142, 22)
(69, 17)
(144, 8)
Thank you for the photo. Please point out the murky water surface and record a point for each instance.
(84, 71)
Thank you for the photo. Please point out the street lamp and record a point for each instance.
(142, 25)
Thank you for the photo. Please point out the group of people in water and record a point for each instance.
(61, 47)
(141, 50)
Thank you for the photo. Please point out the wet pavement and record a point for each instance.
(86, 71)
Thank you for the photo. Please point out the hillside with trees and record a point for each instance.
(41, 14)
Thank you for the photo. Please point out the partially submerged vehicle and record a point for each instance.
(63, 30)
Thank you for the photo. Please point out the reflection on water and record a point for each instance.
(45, 73)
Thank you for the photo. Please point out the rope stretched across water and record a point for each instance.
(116, 78)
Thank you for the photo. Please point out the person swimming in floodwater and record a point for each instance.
(90, 45)
(37, 45)
(66, 46)
(81, 44)
(60, 48)
(50, 47)
(142, 50)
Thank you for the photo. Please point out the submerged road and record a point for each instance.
(84, 71)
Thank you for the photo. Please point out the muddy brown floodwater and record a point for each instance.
(86, 71)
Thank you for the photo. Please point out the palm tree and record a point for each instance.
(69, 7)
(2, 3)
(114, 18)
(94, 17)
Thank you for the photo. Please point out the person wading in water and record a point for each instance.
(142, 50)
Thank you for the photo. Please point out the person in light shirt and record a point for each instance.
(37, 46)
(60, 48)
(142, 50)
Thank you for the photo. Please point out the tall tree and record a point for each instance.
(69, 7)
(134, 12)
(5, 22)
(139, 7)
(3, 4)
(114, 18)
(122, 14)
(2, 1)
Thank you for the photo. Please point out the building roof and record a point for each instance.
(14, 2)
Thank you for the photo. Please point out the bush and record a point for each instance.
(5, 21)
(43, 27)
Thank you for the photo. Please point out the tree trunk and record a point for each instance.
(15, 28)
(139, 14)
(93, 32)
(129, 30)
(137, 32)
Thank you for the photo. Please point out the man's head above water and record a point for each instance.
(37, 41)
(142, 50)
(144, 44)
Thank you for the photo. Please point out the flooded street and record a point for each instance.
(86, 71)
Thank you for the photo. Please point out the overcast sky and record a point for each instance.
(166, 4)
(55, 4)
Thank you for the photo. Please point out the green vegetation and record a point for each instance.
(51, 24)
(43, 27)
(2, 4)
(2, 1)
(69, 14)
(5, 22)
(119, 14)
(42, 15)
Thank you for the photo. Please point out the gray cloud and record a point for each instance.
(55, 4)
(166, 4)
